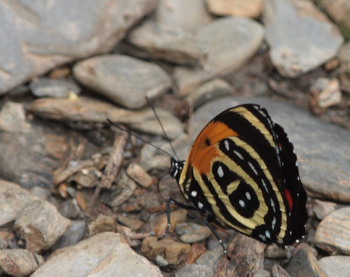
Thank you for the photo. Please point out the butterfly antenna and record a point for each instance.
(161, 126)
(139, 137)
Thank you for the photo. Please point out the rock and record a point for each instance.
(40, 225)
(105, 254)
(13, 198)
(278, 271)
(344, 59)
(166, 43)
(13, 119)
(230, 42)
(90, 110)
(273, 251)
(339, 11)
(133, 223)
(74, 233)
(326, 92)
(323, 208)
(182, 14)
(45, 87)
(209, 91)
(171, 251)
(304, 263)
(196, 250)
(124, 80)
(336, 265)
(70, 208)
(192, 232)
(333, 233)
(87, 177)
(176, 217)
(306, 133)
(103, 223)
(52, 36)
(318, 39)
(17, 262)
(260, 273)
(139, 175)
(242, 8)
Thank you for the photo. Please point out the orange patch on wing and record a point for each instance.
(203, 145)
(289, 199)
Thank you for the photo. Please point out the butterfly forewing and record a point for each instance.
(242, 172)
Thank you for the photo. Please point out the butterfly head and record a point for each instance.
(176, 168)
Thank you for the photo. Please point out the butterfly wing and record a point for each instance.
(235, 172)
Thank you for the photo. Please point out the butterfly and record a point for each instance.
(242, 171)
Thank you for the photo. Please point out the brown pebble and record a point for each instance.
(139, 175)
(102, 223)
(176, 217)
(133, 223)
(196, 250)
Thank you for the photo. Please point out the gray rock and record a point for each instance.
(323, 208)
(229, 42)
(74, 233)
(166, 43)
(40, 225)
(123, 79)
(102, 255)
(322, 166)
(311, 41)
(70, 208)
(17, 262)
(338, 266)
(36, 37)
(13, 199)
(332, 234)
(182, 14)
(13, 119)
(58, 88)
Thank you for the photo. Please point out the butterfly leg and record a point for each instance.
(216, 234)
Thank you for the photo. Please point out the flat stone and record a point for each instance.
(192, 232)
(139, 175)
(58, 88)
(103, 223)
(74, 233)
(13, 119)
(279, 271)
(13, 198)
(323, 208)
(333, 233)
(304, 263)
(40, 225)
(123, 79)
(182, 14)
(70, 208)
(318, 39)
(102, 255)
(17, 262)
(131, 222)
(322, 169)
(36, 38)
(230, 42)
(242, 8)
(90, 110)
(338, 266)
(166, 43)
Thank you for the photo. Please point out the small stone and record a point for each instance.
(279, 271)
(70, 208)
(242, 8)
(323, 208)
(124, 80)
(102, 223)
(327, 92)
(13, 118)
(74, 233)
(260, 273)
(139, 175)
(273, 251)
(304, 263)
(192, 232)
(176, 217)
(87, 177)
(105, 254)
(196, 250)
(133, 223)
(40, 192)
(333, 233)
(172, 251)
(5, 239)
(45, 87)
(13, 199)
(338, 266)
(17, 262)
(40, 225)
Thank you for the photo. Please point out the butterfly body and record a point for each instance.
(242, 171)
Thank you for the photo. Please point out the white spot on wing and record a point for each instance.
(238, 154)
(267, 233)
(220, 171)
(227, 145)
(194, 193)
(262, 237)
(247, 194)
(273, 223)
(241, 203)
(253, 168)
(200, 205)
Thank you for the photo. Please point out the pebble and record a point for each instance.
(166, 43)
(123, 79)
(273, 251)
(74, 233)
(54, 36)
(139, 175)
(279, 271)
(70, 208)
(103, 223)
(176, 217)
(171, 251)
(40, 225)
(323, 208)
(87, 177)
(17, 262)
(57, 88)
(13, 119)
(192, 232)
(337, 266)
(318, 39)
(196, 250)
(105, 254)
(333, 233)
(242, 8)
(306, 133)
(230, 42)
(304, 263)
(13, 198)
(132, 223)
(326, 92)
